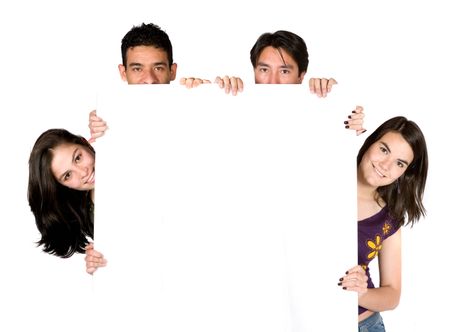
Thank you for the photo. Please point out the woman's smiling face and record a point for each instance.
(386, 160)
(73, 166)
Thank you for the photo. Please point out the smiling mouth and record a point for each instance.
(378, 172)
(91, 178)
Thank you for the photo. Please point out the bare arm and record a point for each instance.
(387, 296)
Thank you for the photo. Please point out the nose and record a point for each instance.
(149, 77)
(274, 79)
(386, 163)
(83, 171)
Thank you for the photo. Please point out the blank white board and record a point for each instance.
(225, 213)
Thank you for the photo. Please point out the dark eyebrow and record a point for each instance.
(73, 160)
(401, 160)
(165, 64)
(74, 154)
(263, 64)
(386, 146)
(137, 64)
(287, 66)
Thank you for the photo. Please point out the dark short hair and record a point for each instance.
(293, 44)
(63, 216)
(146, 35)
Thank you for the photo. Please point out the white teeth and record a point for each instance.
(378, 172)
(91, 178)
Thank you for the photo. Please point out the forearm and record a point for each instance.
(380, 299)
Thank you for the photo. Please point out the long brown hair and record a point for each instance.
(63, 216)
(404, 197)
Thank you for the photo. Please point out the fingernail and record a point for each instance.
(345, 122)
(346, 272)
(353, 111)
(349, 116)
(344, 287)
(341, 279)
(347, 127)
(339, 283)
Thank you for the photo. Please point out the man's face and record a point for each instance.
(147, 65)
(276, 66)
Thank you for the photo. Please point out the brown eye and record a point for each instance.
(67, 176)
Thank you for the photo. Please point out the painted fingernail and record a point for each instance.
(346, 272)
(349, 116)
(353, 111)
(344, 287)
(339, 283)
(345, 122)
(347, 127)
(341, 279)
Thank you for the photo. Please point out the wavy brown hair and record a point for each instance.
(63, 216)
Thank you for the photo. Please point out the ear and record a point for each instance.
(302, 75)
(123, 72)
(173, 71)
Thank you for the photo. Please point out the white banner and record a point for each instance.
(222, 213)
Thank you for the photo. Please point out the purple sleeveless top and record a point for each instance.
(372, 232)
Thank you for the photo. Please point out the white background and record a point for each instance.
(56, 55)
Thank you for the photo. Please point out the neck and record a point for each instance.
(365, 191)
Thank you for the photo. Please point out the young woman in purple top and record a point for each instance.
(392, 172)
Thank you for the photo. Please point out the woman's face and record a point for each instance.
(386, 160)
(73, 166)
